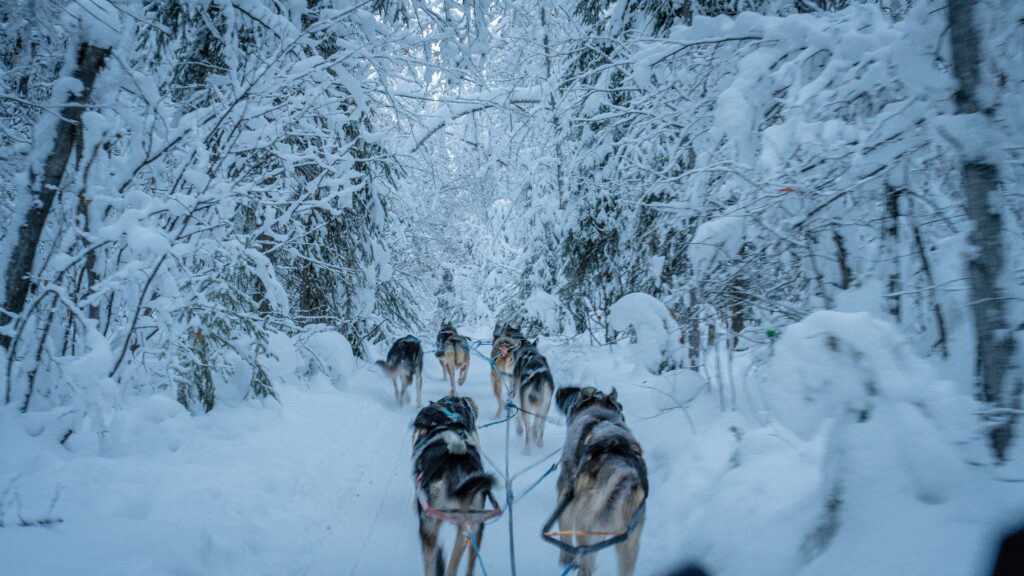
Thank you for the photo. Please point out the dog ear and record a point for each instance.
(535, 342)
(614, 397)
(566, 397)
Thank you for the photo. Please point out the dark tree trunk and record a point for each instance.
(43, 187)
(998, 380)
(892, 244)
(845, 274)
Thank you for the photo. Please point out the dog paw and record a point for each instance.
(540, 442)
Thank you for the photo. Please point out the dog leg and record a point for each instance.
(478, 534)
(449, 371)
(394, 384)
(406, 382)
(587, 563)
(520, 422)
(457, 549)
(496, 386)
(539, 421)
(419, 388)
(463, 372)
(528, 429)
(538, 431)
(627, 549)
(429, 527)
(565, 523)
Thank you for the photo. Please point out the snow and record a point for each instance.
(653, 325)
(99, 22)
(320, 483)
(543, 308)
(751, 226)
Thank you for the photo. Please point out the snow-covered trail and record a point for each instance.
(320, 483)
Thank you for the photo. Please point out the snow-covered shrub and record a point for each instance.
(651, 331)
(326, 352)
(542, 312)
(891, 424)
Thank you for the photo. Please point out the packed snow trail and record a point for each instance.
(320, 483)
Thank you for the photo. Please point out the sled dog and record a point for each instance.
(405, 363)
(532, 387)
(603, 473)
(453, 353)
(506, 339)
(450, 478)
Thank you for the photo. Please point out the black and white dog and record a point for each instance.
(450, 478)
(603, 473)
(532, 386)
(405, 363)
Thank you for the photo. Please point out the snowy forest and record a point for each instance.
(788, 233)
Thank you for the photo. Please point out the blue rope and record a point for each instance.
(536, 482)
(476, 548)
(451, 415)
(508, 405)
(568, 569)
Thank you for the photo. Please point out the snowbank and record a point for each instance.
(897, 477)
(653, 325)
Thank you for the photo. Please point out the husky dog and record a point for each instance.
(405, 362)
(532, 386)
(453, 353)
(449, 476)
(603, 472)
(507, 339)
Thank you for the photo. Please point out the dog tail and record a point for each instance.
(474, 483)
(388, 368)
(535, 385)
(623, 484)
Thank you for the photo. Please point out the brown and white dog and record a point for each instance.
(452, 351)
(450, 479)
(604, 474)
(506, 339)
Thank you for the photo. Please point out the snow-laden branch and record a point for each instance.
(469, 105)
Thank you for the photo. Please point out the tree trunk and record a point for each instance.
(892, 245)
(43, 187)
(998, 380)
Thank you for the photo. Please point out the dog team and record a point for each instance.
(603, 480)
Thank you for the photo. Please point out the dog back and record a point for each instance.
(406, 353)
(446, 456)
(602, 463)
(531, 372)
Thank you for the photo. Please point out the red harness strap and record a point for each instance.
(457, 517)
